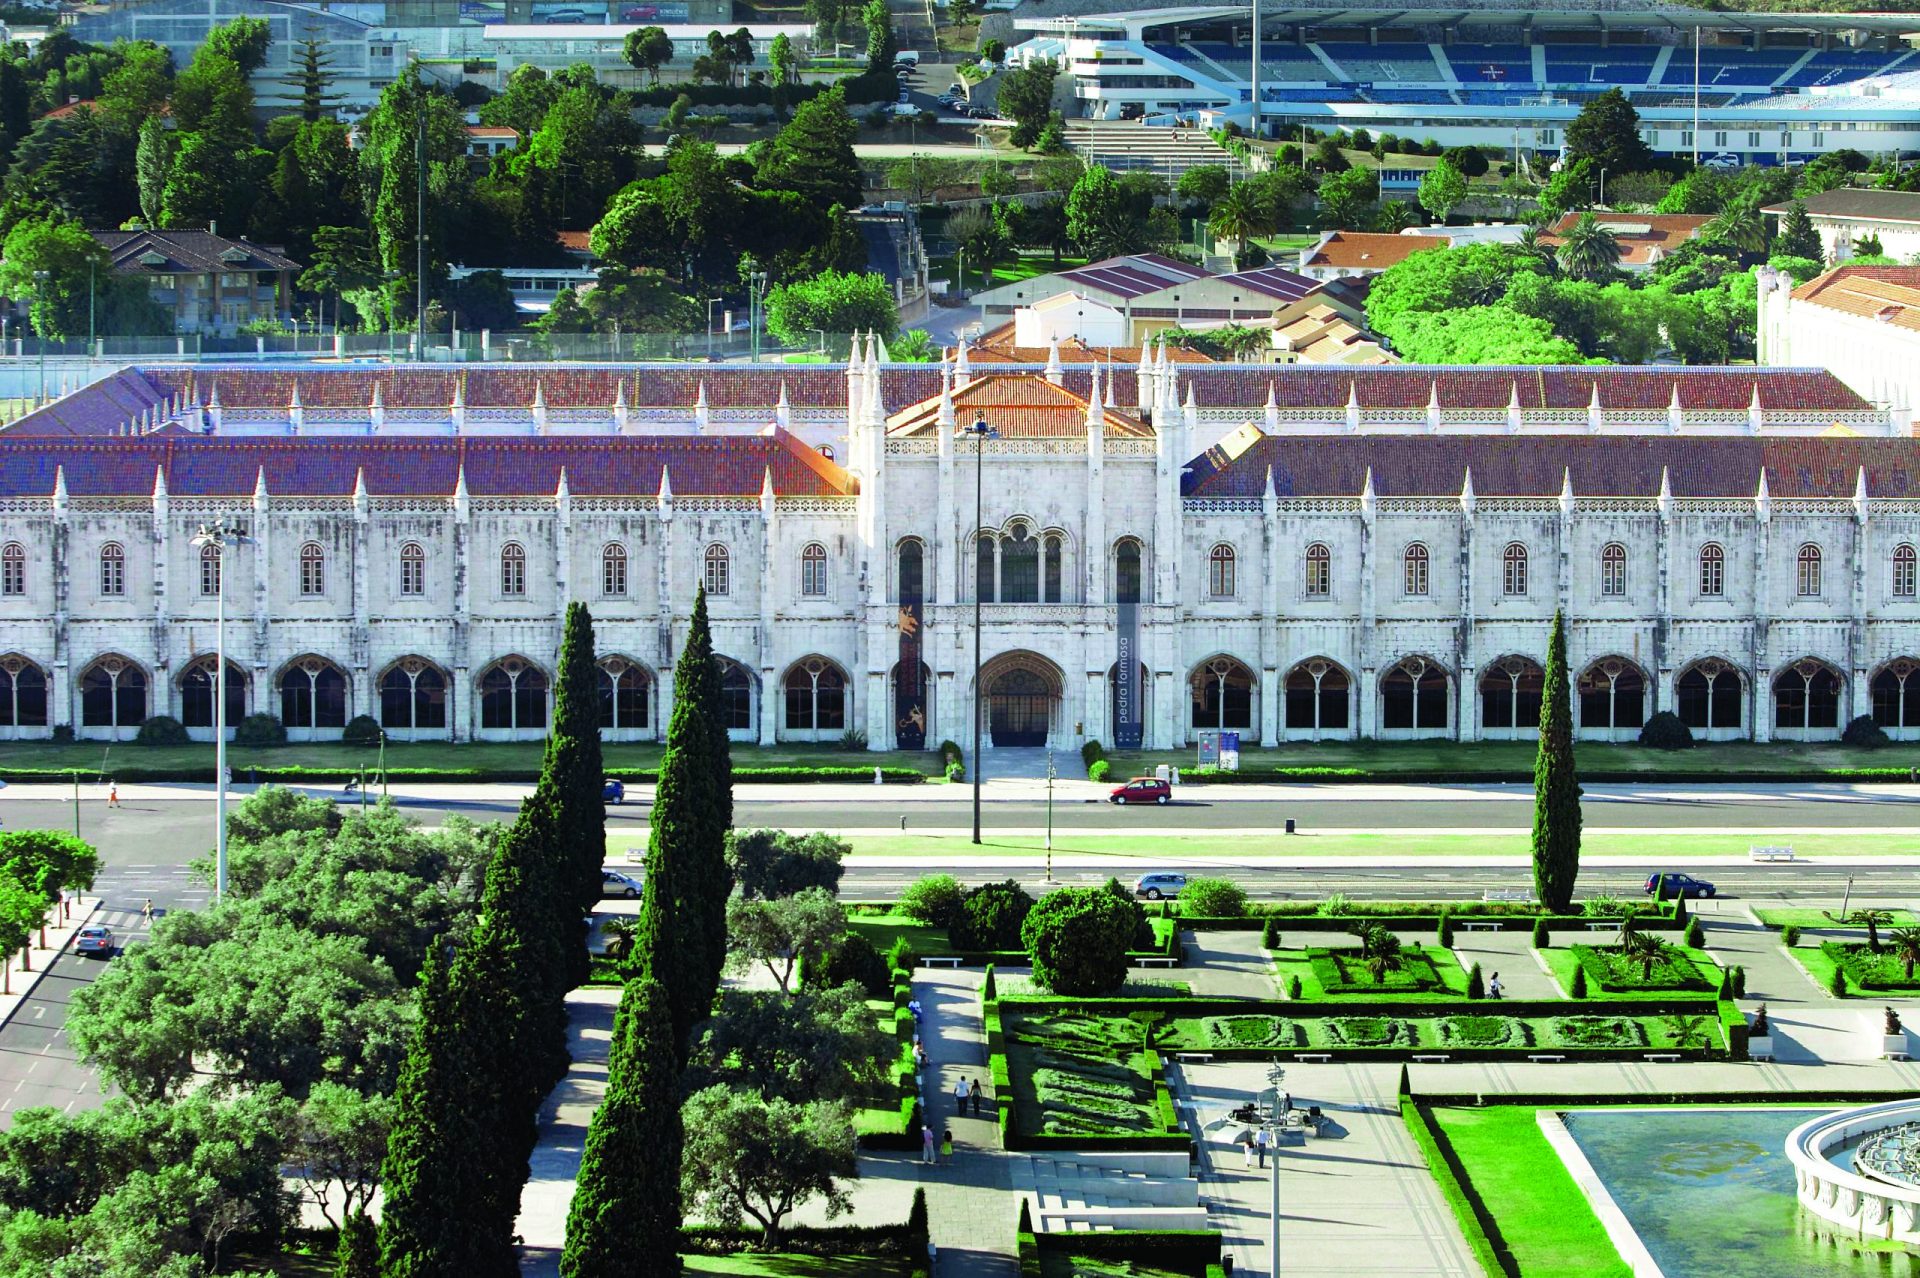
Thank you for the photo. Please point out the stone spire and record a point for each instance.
(1353, 405)
(1595, 420)
(1468, 502)
(1369, 499)
(700, 413)
(1190, 413)
(260, 499)
(1096, 407)
(360, 492)
(1861, 505)
(876, 402)
(1755, 418)
(783, 408)
(1516, 418)
(1055, 373)
(944, 422)
(562, 492)
(1273, 410)
(666, 487)
(1666, 495)
(1762, 499)
(620, 405)
(1566, 491)
(1676, 419)
(59, 490)
(159, 484)
(1433, 405)
(962, 370)
(461, 500)
(766, 492)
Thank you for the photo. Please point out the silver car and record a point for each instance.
(1156, 886)
(614, 883)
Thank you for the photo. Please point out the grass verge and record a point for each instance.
(1818, 918)
(1479, 1232)
(1154, 846)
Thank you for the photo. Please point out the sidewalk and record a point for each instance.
(22, 980)
(971, 1208)
(1223, 965)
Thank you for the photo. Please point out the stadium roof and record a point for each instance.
(1616, 15)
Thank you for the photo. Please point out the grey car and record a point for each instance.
(614, 883)
(1156, 886)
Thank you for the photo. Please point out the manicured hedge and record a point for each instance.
(1870, 971)
(1610, 970)
(1733, 1023)
(1648, 922)
(1335, 970)
(1476, 1222)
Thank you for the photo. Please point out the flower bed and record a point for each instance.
(1598, 1031)
(1869, 971)
(1345, 972)
(1483, 1031)
(1609, 969)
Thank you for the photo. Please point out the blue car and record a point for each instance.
(612, 791)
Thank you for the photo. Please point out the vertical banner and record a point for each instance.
(1127, 717)
(909, 687)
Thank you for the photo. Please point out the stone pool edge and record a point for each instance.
(1625, 1239)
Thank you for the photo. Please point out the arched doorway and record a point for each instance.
(1225, 695)
(413, 700)
(513, 700)
(197, 684)
(1414, 697)
(1806, 701)
(313, 698)
(1896, 698)
(738, 689)
(1710, 698)
(1510, 694)
(1319, 700)
(1023, 693)
(626, 700)
(815, 696)
(23, 698)
(1613, 699)
(113, 698)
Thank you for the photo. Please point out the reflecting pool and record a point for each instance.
(1711, 1194)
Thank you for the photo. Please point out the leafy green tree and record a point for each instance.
(342, 266)
(834, 302)
(1101, 217)
(137, 90)
(932, 899)
(1589, 249)
(1204, 183)
(990, 917)
(1482, 335)
(1237, 216)
(342, 1140)
(625, 1215)
(310, 77)
(817, 1044)
(389, 170)
(357, 1254)
(529, 93)
(1607, 132)
(753, 1159)
(813, 153)
(583, 151)
(152, 159)
(1206, 897)
(1797, 237)
(242, 40)
(1739, 226)
(981, 238)
(1347, 199)
(573, 773)
(1078, 939)
(1556, 784)
(780, 932)
(783, 61)
(1026, 98)
(21, 911)
(878, 18)
(71, 259)
(1442, 189)
(49, 862)
(1571, 188)
(1435, 282)
(647, 49)
(775, 863)
(1329, 157)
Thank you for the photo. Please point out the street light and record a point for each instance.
(39, 290)
(756, 305)
(1050, 775)
(823, 338)
(219, 535)
(1275, 1121)
(981, 433)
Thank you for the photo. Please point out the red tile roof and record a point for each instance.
(1890, 294)
(995, 346)
(1023, 406)
(1644, 237)
(1370, 250)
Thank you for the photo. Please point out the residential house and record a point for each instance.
(1847, 214)
(1342, 255)
(1644, 238)
(211, 283)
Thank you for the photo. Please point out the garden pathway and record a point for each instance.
(971, 1208)
(1510, 954)
(1226, 965)
(564, 1117)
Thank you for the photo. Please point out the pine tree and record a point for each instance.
(358, 1253)
(152, 157)
(310, 77)
(625, 1216)
(683, 933)
(1556, 786)
(1797, 237)
(571, 779)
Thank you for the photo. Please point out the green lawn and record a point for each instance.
(1563, 962)
(1288, 964)
(1820, 965)
(884, 929)
(1818, 918)
(1546, 1227)
(1076, 1074)
(786, 1265)
(1515, 758)
(1161, 836)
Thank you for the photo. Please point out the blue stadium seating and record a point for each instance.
(1724, 67)
(1491, 64)
(1837, 66)
(1385, 63)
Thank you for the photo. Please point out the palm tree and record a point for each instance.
(1382, 951)
(1589, 249)
(1739, 226)
(1529, 249)
(1395, 216)
(1870, 919)
(1236, 216)
(1686, 1031)
(1646, 947)
(1906, 947)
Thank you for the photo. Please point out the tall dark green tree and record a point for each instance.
(625, 1215)
(1607, 132)
(1797, 237)
(683, 932)
(813, 153)
(572, 776)
(1556, 785)
(310, 76)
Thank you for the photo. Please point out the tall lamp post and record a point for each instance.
(39, 295)
(219, 535)
(756, 306)
(981, 433)
(1275, 1121)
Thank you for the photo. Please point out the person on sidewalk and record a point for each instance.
(1493, 986)
(976, 1098)
(113, 793)
(962, 1093)
(946, 1143)
(1260, 1140)
(1246, 1146)
(926, 1143)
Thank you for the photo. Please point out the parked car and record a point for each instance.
(95, 938)
(1679, 885)
(613, 791)
(614, 883)
(1142, 790)
(1155, 886)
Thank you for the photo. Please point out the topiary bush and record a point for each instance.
(1293, 987)
(1790, 937)
(1837, 984)
(260, 730)
(1213, 899)
(1579, 989)
(161, 730)
(931, 899)
(991, 917)
(361, 730)
(1443, 934)
(1270, 933)
(1091, 752)
(1696, 935)
(1664, 731)
(1865, 733)
(1098, 770)
(1476, 983)
(1078, 940)
(1740, 981)
(1542, 939)
(856, 960)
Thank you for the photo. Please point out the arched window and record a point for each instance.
(1903, 572)
(1807, 578)
(736, 695)
(1613, 694)
(1513, 569)
(912, 579)
(1713, 571)
(313, 569)
(513, 695)
(1128, 581)
(813, 570)
(1220, 571)
(1510, 695)
(13, 569)
(1020, 566)
(413, 569)
(1707, 695)
(984, 558)
(113, 569)
(197, 693)
(1223, 695)
(1896, 694)
(209, 571)
(625, 694)
(513, 569)
(1613, 569)
(113, 694)
(413, 694)
(718, 567)
(613, 569)
(313, 694)
(1318, 694)
(1414, 569)
(1806, 695)
(826, 451)
(1052, 557)
(1319, 570)
(1413, 695)
(816, 694)
(23, 694)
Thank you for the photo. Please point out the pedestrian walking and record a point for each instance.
(146, 911)
(1260, 1141)
(946, 1143)
(962, 1093)
(926, 1143)
(1246, 1146)
(113, 793)
(976, 1098)
(1493, 986)
(1286, 1102)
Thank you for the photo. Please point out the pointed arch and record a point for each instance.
(1319, 700)
(513, 694)
(1511, 689)
(413, 699)
(1612, 693)
(315, 696)
(113, 697)
(1808, 698)
(23, 697)
(1224, 694)
(1895, 688)
(627, 691)
(197, 681)
(1710, 696)
(817, 695)
(1416, 698)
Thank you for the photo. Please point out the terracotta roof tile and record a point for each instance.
(1369, 250)
(1023, 405)
(1890, 294)
(1644, 237)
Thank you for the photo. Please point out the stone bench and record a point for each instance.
(1546, 1058)
(1320, 1058)
(1193, 1058)
(1156, 962)
(946, 960)
(1770, 854)
(1440, 1058)
(1478, 927)
(1663, 1056)
(1506, 894)
(1604, 925)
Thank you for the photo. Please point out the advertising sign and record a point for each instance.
(1127, 718)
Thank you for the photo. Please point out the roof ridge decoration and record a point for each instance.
(160, 482)
(1566, 492)
(1468, 503)
(60, 488)
(665, 496)
(1762, 499)
(260, 495)
(1665, 500)
(1861, 504)
(1369, 499)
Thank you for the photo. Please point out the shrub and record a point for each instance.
(1249, 1031)
(1334, 906)
(989, 990)
(1476, 983)
(1598, 1031)
(1790, 937)
(361, 730)
(1696, 936)
(950, 753)
(1270, 933)
(1293, 987)
(956, 771)
(161, 730)
(1078, 939)
(990, 917)
(1542, 939)
(1664, 731)
(1740, 981)
(1443, 934)
(1837, 985)
(1865, 733)
(856, 960)
(931, 899)
(1213, 899)
(1369, 1031)
(1482, 1031)
(900, 955)
(1091, 752)
(1679, 909)
(1098, 770)
(260, 730)
(1579, 989)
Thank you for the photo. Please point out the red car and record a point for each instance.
(1142, 790)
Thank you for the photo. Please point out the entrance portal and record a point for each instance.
(1020, 709)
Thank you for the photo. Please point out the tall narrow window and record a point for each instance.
(1808, 577)
(1020, 566)
(209, 571)
(983, 560)
(1052, 552)
(113, 569)
(613, 569)
(1220, 571)
(1903, 572)
(1713, 571)
(13, 569)
(413, 569)
(718, 569)
(813, 571)
(1127, 576)
(1513, 570)
(513, 569)
(1319, 570)
(1414, 564)
(912, 583)
(1613, 569)
(313, 569)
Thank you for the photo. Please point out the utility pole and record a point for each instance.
(981, 433)
(420, 225)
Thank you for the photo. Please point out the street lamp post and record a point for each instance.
(39, 295)
(219, 536)
(710, 302)
(1050, 776)
(1276, 1120)
(981, 433)
(756, 307)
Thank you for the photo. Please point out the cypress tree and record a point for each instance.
(1797, 237)
(1556, 786)
(683, 934)
(571, 778)
(625, 1217)
(357, 1254)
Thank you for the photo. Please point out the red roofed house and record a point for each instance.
(1644, 238)
(1352, 254)
(211, 283)
(1861, 322)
